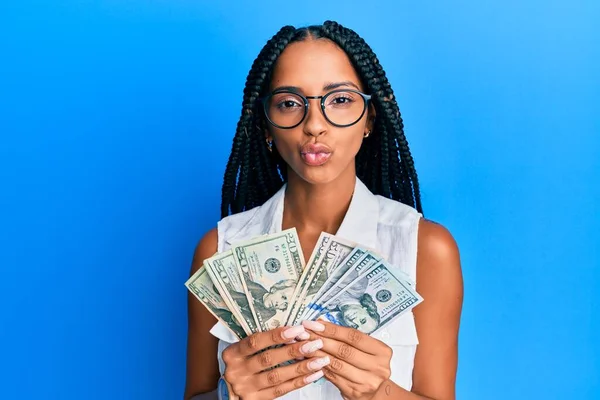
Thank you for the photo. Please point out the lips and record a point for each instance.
(315, 154)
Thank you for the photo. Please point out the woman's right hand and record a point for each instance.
(246, 363)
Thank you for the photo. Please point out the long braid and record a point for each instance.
(371, 72)
(235, 183)
(384, 162)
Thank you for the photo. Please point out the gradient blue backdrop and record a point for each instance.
(116, 119)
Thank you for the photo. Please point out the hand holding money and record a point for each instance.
(249, 363)
(359, 364)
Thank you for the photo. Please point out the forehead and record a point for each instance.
(312, 64)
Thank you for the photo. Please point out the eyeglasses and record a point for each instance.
(342, 108)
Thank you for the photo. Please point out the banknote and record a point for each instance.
(318, 251)
(366, 261)
(335, 276)
(335, 252)
(270, 267)
(223, 265)
(231, 305)
(371, 302)
(202, 287)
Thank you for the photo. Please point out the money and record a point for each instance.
(270, 267)
(372, 301)
(261, 284)
(316, 274)
(202, 287)
(348, 276)
(224, 267)
(334, 277)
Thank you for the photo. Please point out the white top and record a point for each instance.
(387, 226)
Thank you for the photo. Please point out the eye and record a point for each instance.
(341, 99)
(287, 104)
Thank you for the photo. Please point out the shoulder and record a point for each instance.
(237, 221)
(212, 240)
(395, 213)
(436, 242)
(206, 248)
(438, 260)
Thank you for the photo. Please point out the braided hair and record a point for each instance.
(384, 162)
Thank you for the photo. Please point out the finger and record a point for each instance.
(345, 352)
(262, 340)
(346, 387)
(348, 371)
(351, 336)
(272, 357)
(277, 376)
(286, 387)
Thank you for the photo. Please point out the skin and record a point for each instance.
(316, 200)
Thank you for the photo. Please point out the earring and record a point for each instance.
(269, 145)
(366, 135)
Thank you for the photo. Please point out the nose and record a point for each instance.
(315, 123)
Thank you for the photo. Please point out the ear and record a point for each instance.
(371, 114)
(268, 136)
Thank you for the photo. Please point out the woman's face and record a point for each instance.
(279, 299)
(355, 316)
(314, 68)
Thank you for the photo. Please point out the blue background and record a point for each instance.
(116, 119)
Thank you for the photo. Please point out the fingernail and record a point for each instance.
(311, 347)
(314, 377)
(314, 326)
(319, 363)
(291, 342)
(304, 336)
(292, 332)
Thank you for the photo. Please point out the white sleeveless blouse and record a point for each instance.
(385, 225)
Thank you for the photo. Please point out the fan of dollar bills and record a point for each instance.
(264, 283)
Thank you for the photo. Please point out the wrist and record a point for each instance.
(384, 390)
(224, 390)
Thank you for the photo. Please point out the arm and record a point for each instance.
(439, 281)
(202, 371)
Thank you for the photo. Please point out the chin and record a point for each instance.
(317, 175)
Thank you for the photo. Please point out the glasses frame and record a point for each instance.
(366, 98)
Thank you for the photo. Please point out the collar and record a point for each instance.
(359, 224)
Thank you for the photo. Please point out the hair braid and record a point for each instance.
(235, 188)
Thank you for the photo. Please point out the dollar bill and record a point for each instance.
(317, 253)
(204, 290)
(373, 301)
(226, 272)
(336, 250)
(218, 284)
(270, 267)
(366, 261)
(334, 277)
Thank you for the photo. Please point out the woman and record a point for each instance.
(320, 146)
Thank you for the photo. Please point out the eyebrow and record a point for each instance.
(326, 87)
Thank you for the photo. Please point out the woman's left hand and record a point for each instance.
(359, 363)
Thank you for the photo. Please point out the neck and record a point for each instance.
(317, 208)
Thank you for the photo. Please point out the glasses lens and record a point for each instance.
(344, 107)
(285, 109)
